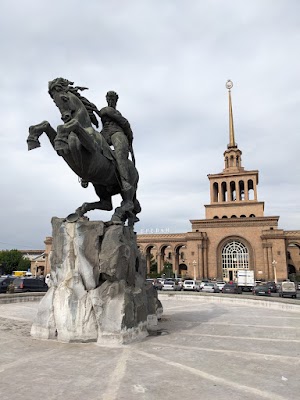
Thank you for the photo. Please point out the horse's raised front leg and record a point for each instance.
(63, 131)
(35, 131)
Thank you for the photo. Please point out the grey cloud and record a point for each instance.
(169, 64)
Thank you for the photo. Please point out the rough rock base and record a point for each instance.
(98, 291)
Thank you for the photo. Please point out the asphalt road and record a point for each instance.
(200, 350)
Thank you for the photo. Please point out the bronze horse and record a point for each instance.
(86, 152)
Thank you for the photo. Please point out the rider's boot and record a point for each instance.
(127, 196)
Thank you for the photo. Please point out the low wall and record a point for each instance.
(20, 297)
(274, 303)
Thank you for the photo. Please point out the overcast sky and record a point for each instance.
(169, 61)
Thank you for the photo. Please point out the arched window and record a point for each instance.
(235, 255)
(232, 191)
(215, 192)
(250, 189)
(241, 190)
(224, 216)
(224, 191)
(251, 215)
(233, 216)
(216, 217)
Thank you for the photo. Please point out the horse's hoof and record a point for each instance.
(33, 144)
(115, 219)
(73, 217)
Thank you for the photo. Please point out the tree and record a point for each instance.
(10, 259)
(168, 270)
(153, 267)
(24, 264)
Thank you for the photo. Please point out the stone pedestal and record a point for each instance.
(98, 290)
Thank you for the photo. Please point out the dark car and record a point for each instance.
(272, 286)
(5, 281)
(30, 285)
(231, 288)
(262, 290)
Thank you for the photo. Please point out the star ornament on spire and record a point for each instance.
(229, 84)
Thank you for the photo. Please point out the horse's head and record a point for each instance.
(71, 104)
(62, 97)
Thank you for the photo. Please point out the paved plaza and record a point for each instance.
(200, 350)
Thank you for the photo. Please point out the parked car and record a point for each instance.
(157, 284)
(5, 281)
(288, 289)
(298, 285)
(170, 285)
(191, 285)
(180, 282)
(30, 285)
(203, 282)
(220, 284)
(231, 288)
(210, 287)
(272, 286)
(262, 290)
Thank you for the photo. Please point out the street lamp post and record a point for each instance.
(274, 269)
(194, 265)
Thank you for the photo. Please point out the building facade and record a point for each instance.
(235, 233)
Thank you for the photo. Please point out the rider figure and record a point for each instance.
(117, 132)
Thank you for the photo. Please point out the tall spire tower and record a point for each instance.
(232, 156)
(229, 86)
(233, 192)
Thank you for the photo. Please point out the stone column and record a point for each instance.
(148, 263)
(172, 259)
(270, 266)
(159, 265)
(205, 258)
(176, 262)
(200, 257)
(255, 191)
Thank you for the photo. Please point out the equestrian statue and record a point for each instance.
(88, 152)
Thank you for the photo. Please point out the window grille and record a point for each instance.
(235, 256)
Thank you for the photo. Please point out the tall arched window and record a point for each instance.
(235, 255)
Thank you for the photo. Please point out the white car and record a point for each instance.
(210, 287)
(203, 283)
(220, 285)
(191, 285)
(168, 285)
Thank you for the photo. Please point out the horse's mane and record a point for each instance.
(61, 84)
